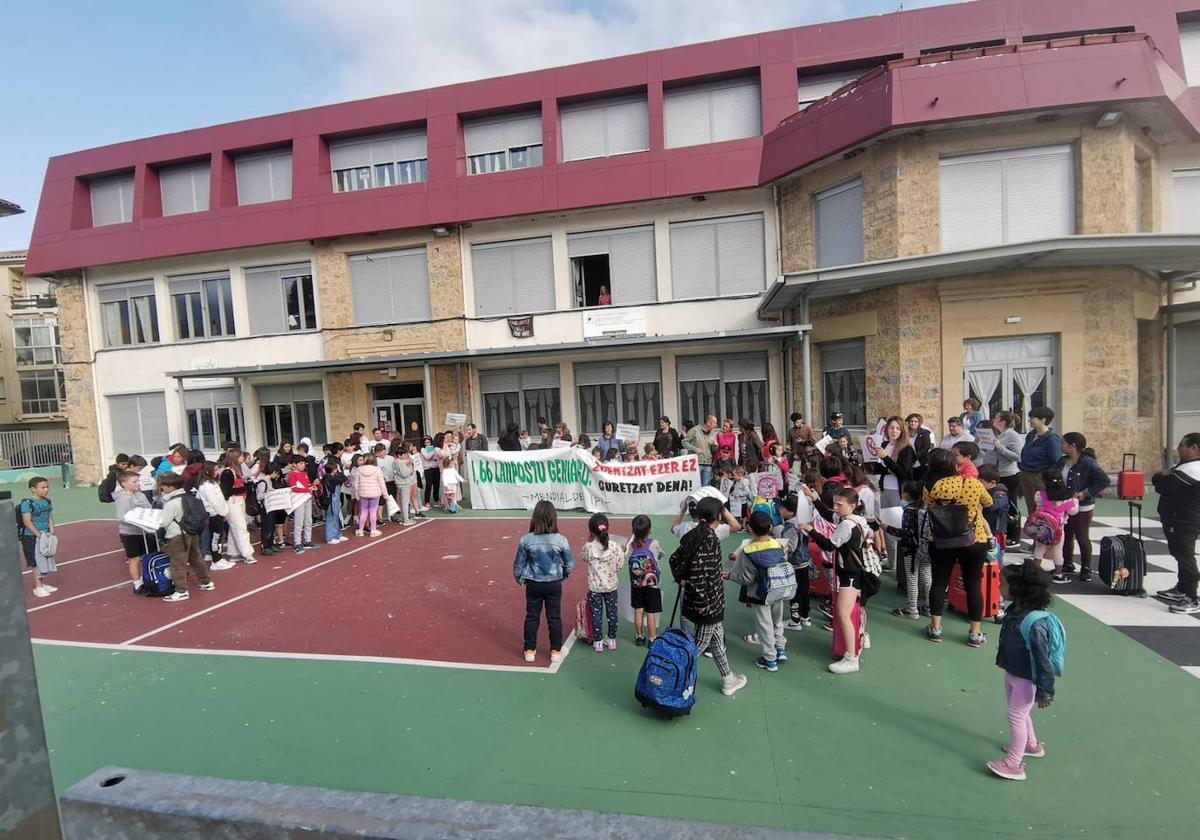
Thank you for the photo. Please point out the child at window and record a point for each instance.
(605, 297)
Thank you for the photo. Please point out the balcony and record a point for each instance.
(34, 302)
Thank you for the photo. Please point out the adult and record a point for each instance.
(956, 433)
(837, 426)
(971, 415)
(769, 436)
(510, 438)
(727, 439)
(1041, 453)
(798, 434)
(667, 442)
(895, 466)
(174, 461)
(1005, 453)
(562, 432)
(921, 439)
(476, 441)
(946, 489)
(544, 433)
(749, 446)
(1179, 510)
(1086, 480)
(378, 436)
(611, 447)
(701, 441)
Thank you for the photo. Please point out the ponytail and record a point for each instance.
(598, 527)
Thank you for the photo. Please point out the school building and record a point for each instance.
(998, 198)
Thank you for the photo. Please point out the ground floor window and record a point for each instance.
(1187, 372)
(291, 412)
(732, 386)
(519, 396)
(1011, 374)
(620, 392)
(214, 416)
(139, 424)
(844, 379)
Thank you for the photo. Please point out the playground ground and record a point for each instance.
(394, 665)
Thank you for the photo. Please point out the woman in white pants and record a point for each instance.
(234, 488)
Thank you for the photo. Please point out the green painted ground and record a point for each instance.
(896, 750)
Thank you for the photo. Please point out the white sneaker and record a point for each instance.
(358, 532)
(377, 533)
(208, 587)
(249, 561)
(41, 592)
(556, 656)
(865, 641)
(846, 665)
(49, 588)
(530, 655)
(221, 565)
(733, 686)
(175, 597)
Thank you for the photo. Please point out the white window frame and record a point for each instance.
(1189, 45)
(677, 94)
(146, 290)
(373, 175)
(218, 406)
(499, 159)
(39, 328)
(224, 314)
(605, 108)
(273, 431)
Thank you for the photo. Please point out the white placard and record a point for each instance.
(610, 323)
(284, 499)
(823, 442)
(873, 447)
(628, 433)
(560, 443)
(893, 517)
(146, 483)
(986, 438)
(148, 519)
(456, 419)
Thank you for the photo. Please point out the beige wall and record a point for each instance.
(12, 285)
(80, 380)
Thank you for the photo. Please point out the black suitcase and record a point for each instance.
(1123, 559)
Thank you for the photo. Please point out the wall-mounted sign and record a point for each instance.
(521, 327)
(614, 323)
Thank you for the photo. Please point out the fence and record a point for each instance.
(25, 449)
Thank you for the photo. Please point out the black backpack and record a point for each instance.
(195, 516)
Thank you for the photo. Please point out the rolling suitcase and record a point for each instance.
(990, 584)
(1131, 482)
(1123, 559)
(839, 644)
(666, 681)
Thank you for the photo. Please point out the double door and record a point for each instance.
(1011, 374)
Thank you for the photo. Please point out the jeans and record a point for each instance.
(1021, 694)
(1182, 544)
(333, 518)
(1077, 529)
(970, 562)
(705, 475)
(433, 485)
(598, 602)
(539, 595)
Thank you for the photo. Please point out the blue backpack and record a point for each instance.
(667, 680)
(156, 575)
(1056, 636)
(643, 564)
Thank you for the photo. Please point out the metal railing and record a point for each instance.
(34, 302)
(25, 449)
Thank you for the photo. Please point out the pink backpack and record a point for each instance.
(1045, 524)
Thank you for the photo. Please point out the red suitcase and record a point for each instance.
(820, 586)
(1131, 482)
(839, 644)
(990, 585)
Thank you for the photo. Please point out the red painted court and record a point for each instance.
(437, 592)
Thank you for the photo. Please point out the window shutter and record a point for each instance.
(265, 177)
(582, 132)
(492, 267)
(1189, 43)
(307, 391)
(603, 373)
(533, 276)
(274, 394)
(843, 355)
(281, 175)
(139, 423)
(748, 367)
(112, 200)
(184, 189)
(695, 368)
(545, 377)
(631, 266)
(184, 285)
(1185, 201)
(812, 88)
(588, 244)
(371, 289)
(693, 260)
(840, 224)
(410, 286)
(499, 381)
(740, 257)
(972, 203)
(264, 300)
(210, 398)
(377, 148)
(126, 424)
(1039, 194)
(492, 134)
(736, 110)
(627, 126)
(349, 154)
(686, 116)
(1187, 374)
(639, 370)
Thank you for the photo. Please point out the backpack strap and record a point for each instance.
(1031, 618)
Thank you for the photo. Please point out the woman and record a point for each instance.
(769, 436)
(667, 442)
(561, 432)
(283, 455)
(945, 488)
(609, 444)
(510, 440)
(971, 415)
(431, 460)
(896, 466)
(543, 561)
(750, 446)
(1087, 480)
(921, 440)
(727, 437)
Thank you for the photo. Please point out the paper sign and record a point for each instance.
(986, 438)
(628, 433)
(148, 519)
(560, 444)
(146, 483)
(823, 442)
(456, 419)
(872, 447)
(891, 516)
(284, 499)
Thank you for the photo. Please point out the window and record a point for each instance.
(519, 396)
(390, 287)
(1185, 201)
(1187, 372)
(839, 221)
(513, 277)
(184, 188)
(1009, 196)
(512, 141)
(139, 424)
(717, 257)
(128, 314)
(619, 262)
(36, 341)
(605, 127)
(42, 391)
(213, 417)
(203, 306)
(1076, 33)
(381, 160)
(618, 391)
(1189, 43)
(264, 177)
(112, 199)
(974, 45)
(290, 412)
(712, 112)
(723, 386)
(813, 88)
(281, 299)
(844, 376)
(3, 391)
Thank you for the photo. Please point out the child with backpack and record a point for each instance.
(183, 518)
(1032, 651)
(1055, 502)
(333, 480)
(604, 559)
(741, 494)
(644, 555)
(761, 567)
(796, 545)
(35, 522)
(914, 537)
(134, 540)
(211, 539)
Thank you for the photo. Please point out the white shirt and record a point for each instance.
(722, 530)
(949, 440)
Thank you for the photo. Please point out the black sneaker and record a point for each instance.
(1060, 578)
(825, 609)
(1172, 594)
(1085, 575)
(640, 641)
(1189, 607)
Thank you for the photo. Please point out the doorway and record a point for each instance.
(1011, 374)
(400, 409)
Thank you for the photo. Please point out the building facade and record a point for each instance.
(875, 216)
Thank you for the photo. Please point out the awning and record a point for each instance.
(1163, 254)
(458, 356)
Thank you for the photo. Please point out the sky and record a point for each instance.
(80, 73)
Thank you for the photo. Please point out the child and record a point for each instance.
(209, 492)
(387, 467)
(794, 542)
(236, 490)
(605, 297)
(604, 559)
(450, 485)
(334, 480)
(644, 556)
(965, 452)
(1031, 650)
(996, 516)
(1179, 510)
(723, 480)
(134, 540)
(651, 453)
(181, 547)
(369, 488)
(406, 483)
(543, 561)
(631, 452)
(725, 460)
(1055, 502)
(414, 455)
(914, 537)
(37, 518)
(761, 566)
(696, 566)
(778, 461)
(302, 517)
(740, 494)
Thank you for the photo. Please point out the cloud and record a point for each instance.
(384, 47)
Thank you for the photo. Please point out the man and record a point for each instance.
(956, 434)
(475, 441)
(1179, 510)
(1041, 453)
(701, 441)
(799, 434)
(367, 445)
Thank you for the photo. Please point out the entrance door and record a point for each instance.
(399, 408)
(1011, 374)
(411, 414)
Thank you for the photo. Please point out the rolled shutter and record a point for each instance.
(307, 391)
(545, 377)
(379, 148)
(281, 175)
(840, 224)
(493, 134)
(697, 368)
(499, 381)
(588, 244)
(371, 289)
(845, 355)
(492, 268)
(533, 276)
(582, 132)
(410, 286)
(184, 189)
(264, 300)
(1039, 194)
(972, 203)
(693, 260)
(112, 200)
(349, 154)
(596, 373)
(746, 367)
(813, 88)
(253, 179)
(156, 435)
(740, 258)
(639, 370)
(631, 266)
(184, 285)
(274, 394)
(1189, 44)
(1185, 201)
(687, 117)
(1187, 374)
(210, 397)
(627, 126)
(736, 110)
(126, 424)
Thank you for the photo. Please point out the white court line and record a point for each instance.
(273, 583)
(322, 657)
(79, 559)
(127, 582)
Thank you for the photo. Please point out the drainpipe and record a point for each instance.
(1170, 377)
(428, 401)
(806, 360)
(789, 373)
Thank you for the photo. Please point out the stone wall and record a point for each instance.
(86, 450)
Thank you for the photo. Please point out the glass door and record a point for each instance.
(411, 414)
(1013, 374)
(383, 417)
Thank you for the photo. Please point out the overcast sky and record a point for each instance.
(81, 73)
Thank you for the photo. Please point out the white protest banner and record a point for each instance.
(284, 499)
(986, 438)
(456, 419)
(148, 519)
(572, 478)
(628, 433)
(873, 447)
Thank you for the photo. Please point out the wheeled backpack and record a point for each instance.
(667, 679)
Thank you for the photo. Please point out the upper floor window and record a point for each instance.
(184, 188)
(717, 257)
(510, 141)
(281, 299)
(203, 306)
(390, 287)
(813, 88)
(112, 199)
(1013, 195)
(381, 160)
(711, 112)
(613, 267)
(605, 127)
(513, 277)
(36, 341)
(264, 176)
(1189, 43)
(42, 391)
(839, 219)
(128, 314)
(1185, 201)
